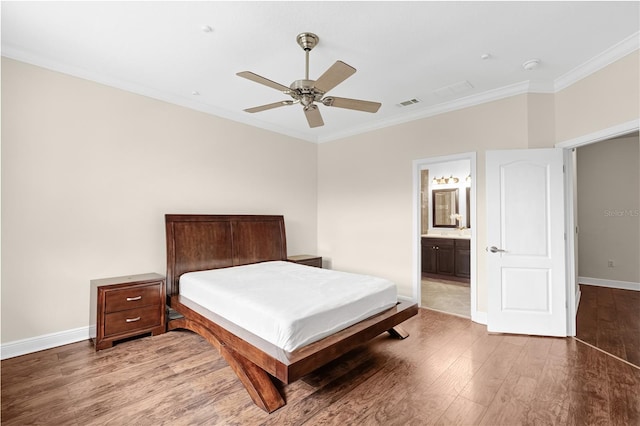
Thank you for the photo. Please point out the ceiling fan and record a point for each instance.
(307, 92)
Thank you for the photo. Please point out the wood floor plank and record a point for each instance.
(13, 393)
(589, 390)
(484, 347)
(448, 371)
(608, 319)
(511, 404)
(401, 402)
(462, 412)
(550, 402)
(485, 384)
(624, 393)
(55, 406)
(532, 359)
(457, 376)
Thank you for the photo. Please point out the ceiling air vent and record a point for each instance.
(408, 103)
(453, 89)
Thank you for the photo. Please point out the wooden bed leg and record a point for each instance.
(398, 332)
(256, 381)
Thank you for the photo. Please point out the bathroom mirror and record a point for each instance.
(445, 204)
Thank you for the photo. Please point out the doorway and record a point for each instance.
(570, 145)
(444, 234)
(608, 249)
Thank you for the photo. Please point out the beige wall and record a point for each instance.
(541, 120)
(609, 209)
(89, 171)
(606, 98)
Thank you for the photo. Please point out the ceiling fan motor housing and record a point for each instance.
(305, 92)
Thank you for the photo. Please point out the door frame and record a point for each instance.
(419, 165)
(569, 146)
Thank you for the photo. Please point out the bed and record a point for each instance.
(211, 242)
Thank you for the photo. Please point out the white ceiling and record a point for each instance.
(402, 50)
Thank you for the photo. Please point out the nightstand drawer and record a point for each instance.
(133, 297)
(132, 320)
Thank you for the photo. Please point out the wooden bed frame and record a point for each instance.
(201, 242)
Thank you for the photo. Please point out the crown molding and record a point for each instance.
(598, 62)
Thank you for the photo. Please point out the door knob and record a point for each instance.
(495, 249)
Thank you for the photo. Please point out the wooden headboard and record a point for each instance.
(201, 242)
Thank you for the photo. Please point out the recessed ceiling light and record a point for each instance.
(207, 28)
(195, 93)
(531, 64)
(485, 56)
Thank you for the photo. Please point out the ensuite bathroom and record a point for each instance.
(445, 233)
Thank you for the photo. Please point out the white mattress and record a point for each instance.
(287, 304)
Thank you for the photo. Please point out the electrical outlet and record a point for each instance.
(610, 264)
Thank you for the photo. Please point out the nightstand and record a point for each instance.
(123, 307)
(306, 259)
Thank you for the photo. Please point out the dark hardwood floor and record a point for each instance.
(449, 371)
(609, 319)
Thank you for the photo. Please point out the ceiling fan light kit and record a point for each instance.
(307, 92)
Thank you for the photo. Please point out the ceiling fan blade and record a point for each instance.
(366, 106)
(314, 118)
(336, 74)
(269, 106)
(259, 79)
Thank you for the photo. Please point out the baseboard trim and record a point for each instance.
(623, 285)
(46, 341)
(406, 299)
(479, 317)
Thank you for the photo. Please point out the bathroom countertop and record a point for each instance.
(452, 235)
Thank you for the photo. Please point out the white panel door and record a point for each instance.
(525, 237)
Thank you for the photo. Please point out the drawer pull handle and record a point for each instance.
(133, 319)
(132, 299)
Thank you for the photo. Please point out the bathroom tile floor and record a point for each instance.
(446, 296)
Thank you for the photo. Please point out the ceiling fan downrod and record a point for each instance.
(307, 41)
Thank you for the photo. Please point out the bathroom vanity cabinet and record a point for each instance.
(446, 258)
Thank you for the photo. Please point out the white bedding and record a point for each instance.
(287, 304)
